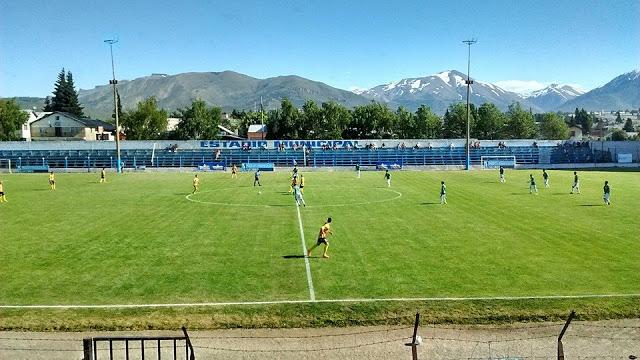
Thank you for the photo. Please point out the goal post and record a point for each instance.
(5, 165)
(494, 162)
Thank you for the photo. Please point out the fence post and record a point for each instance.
(66, 164)
(415, 340)
(87, 349)
(566, 325)
(193, 355)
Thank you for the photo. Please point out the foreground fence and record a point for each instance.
(408, 338)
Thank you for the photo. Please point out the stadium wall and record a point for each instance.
(268, 144)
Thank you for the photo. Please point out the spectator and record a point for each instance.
(217, 154)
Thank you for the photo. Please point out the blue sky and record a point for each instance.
(345, 44)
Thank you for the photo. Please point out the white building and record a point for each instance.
(25, 130)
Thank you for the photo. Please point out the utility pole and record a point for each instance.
(469, 82)
(115, 106)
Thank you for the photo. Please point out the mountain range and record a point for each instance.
(232, 90)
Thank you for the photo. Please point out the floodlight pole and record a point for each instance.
(115, 106)
(468, 82)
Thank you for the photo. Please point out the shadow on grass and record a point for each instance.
(591, 205)
(430, 203)
(519, 193)
(293, 257)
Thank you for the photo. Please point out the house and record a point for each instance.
(64, 126)
(257, 132)
(25, 131)
(575, 133)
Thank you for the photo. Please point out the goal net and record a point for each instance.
(494, 162)
(5, 165)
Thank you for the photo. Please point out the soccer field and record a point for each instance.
(142, 239)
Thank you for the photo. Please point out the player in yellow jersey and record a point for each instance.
(103, 176)
(302, 183)
(52, 181)
(325, 230)
(234, 171)
(196, 184)
(3, 197)
(294, 182)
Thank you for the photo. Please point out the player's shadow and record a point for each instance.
(293, 257)
(430, 203)
(591, 205)
(520, 194)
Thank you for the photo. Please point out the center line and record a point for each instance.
(312, 293)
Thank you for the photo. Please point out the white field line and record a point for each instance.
(312, 293)
(354, 300)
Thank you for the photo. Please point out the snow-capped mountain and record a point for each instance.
(553, 96)
(623, 92)
(440, 90)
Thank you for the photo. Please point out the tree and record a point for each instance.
(198, 122)
(73, 104)
(618, 118)
(310, 121)
(490, 122)
(585, 121)
(147, 122)
(335, 119)
(520, 123)
(65, 97)
(370, 121)
(405, 123)
(455, 121)
(628, 125)
(619, 135)
(11, 120)
(553, 127)
(47, 104)
(426, 124)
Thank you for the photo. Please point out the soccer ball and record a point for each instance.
(260, 192)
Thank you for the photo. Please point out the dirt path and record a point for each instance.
(588, 340)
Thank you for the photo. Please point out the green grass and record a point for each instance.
(137, 239)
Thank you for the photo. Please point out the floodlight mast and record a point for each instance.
(115, 106)
(469, 82)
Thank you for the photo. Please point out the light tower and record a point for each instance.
(469, 82)
(115, 105)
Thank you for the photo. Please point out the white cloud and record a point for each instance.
(524, 87)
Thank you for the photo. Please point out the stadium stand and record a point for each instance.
(194, 157)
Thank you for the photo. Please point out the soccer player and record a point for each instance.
(256, 178)
(52, 181)
(576, 183)
(294, 182)
(387, 176)
(325, 230)
(297, 195)
(443, 193)
(606, 196)
(302, 183)
(196, 184)
(3, 197)
(234, 171)
(532, 185)
(545, 176)
(103, 176)
(502, 175)
(358, 171)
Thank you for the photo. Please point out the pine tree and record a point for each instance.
(58, 101)
(73, 104)
(47, 104)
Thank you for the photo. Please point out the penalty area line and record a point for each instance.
(354, 300)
